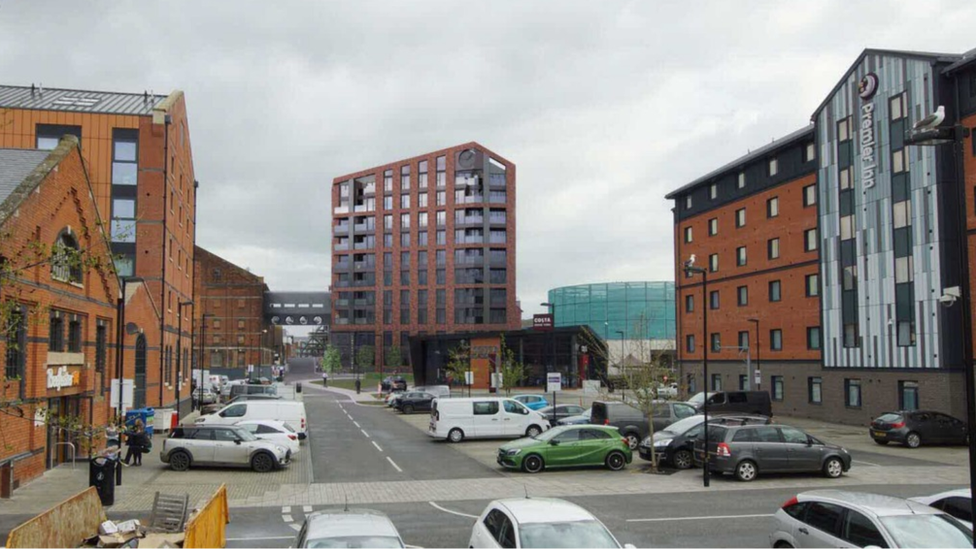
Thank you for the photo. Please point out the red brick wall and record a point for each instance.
(62, 200)
(793, 314)
(513, 314)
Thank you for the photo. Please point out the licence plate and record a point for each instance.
(881, 434)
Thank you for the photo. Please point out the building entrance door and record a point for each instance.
(139, 398)
(63, 421)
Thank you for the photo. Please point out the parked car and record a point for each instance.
(667, 391)
(393, 383)
(561, 411)
(735, 402)
(748, 450)
(539, 522)
(914, 428)
(214, 408)
(439, 391)
(958, 503)
(252, 389)
(203, 395)
(278, 432)
(455, 419)
(567, 446)
(675, 444)
(392, 397)
(414, 401)
(532, 402)
(356, 528)
(834, 518)
(289, 411)
(629, 420)
(221, 445)
(576, 420)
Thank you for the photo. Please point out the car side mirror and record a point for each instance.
(237, 441)
(554, 442)
(222, 414)
(809, 441)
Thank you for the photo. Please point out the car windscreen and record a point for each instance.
(289, 428)
(927, 531)
(889, 418)
(588, 533)
(682, 426)
(380, 542)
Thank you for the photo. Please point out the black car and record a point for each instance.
(674, 445)
(917, 427)
(561, 411)
(734, 402)
(414, 402)
(393, 383)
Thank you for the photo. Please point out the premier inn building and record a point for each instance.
(887, 227)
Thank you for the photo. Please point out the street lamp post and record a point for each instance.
(758, 351)
(923, 134)
(179, 352)
(691, 269)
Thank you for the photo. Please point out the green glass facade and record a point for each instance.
(618, 307)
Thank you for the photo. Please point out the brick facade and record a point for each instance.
(407, 320)
(233, 300)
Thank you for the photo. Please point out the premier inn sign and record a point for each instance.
(62, 378)
(869, 164)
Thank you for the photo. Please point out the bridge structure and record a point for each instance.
(309, 309)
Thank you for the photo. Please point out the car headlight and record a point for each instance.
(646, 441)
(662, 443)
(514, 452)
(280, 449)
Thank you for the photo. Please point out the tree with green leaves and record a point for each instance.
(458, 361)
(365, 358)
(394, 357)
(332, 360)
(512, 369)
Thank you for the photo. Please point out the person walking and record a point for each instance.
(136, 441)
(325, 378)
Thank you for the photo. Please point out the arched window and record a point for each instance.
(66, 258)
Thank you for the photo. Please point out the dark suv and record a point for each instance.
(918, 427)
(735, 402)
(675, 444)
(393, 383)
(748, 450)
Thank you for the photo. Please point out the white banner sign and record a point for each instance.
(469, 378)
(554, 382)
(60, 378)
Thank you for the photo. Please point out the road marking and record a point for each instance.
(451, 512)
(354, 422)
(285, 509)
(697, 518)
(365, 433)
(395, 466)
(377, 446)
(865, 463)
(261, 539)
(287, 518)
(307, 508)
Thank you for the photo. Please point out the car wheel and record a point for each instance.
(833, 467)
(179, 461)
(533, 431)
(913, 440)
(616, 461)
(783, 545)
(881, 442)
(262, 462)
(682, 459)
(407, 409)
(632, 440)
(456, 435)
(532, 464)
(746, 471)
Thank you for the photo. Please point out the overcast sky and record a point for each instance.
(604, 106)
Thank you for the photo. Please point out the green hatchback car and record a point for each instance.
(568, 446)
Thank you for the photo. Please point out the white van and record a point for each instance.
(489, 417)
(290, 412)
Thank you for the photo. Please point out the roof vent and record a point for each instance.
(76, 101)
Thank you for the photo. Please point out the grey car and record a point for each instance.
(356, 528)
(632, 423)
(748, 450)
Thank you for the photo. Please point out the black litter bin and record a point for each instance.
(101, 475)
(298, 387)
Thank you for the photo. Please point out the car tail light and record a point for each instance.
(293, 437)
(898, 425)
(303, 424)
(625, 441)
(790, 502)
(723, 450)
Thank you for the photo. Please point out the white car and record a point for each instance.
(958, 503)
(835, 518)
(539, 522)
(278, 432)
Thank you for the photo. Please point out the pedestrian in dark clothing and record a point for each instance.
(136, 441)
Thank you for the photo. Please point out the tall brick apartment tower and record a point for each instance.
(422, 246)
(136, 149)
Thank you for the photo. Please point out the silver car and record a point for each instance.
(357, 528)
(834, 518)
(221, 445)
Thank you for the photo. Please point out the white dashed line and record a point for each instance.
(287, 518)
(307, 508)
(356, 423)
(377, 446)
(451, 512)
(285, 509)
(397, 467)
(865, 463)
(365, 433)
(697, 518)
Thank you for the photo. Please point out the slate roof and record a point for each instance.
(15, 166)
(54, 99)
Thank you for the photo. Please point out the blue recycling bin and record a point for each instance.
(145, 414)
